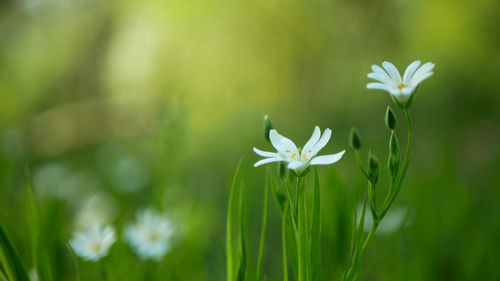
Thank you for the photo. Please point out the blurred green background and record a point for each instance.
(118, 105)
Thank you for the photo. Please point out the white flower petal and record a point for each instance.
(379, 77)
(297, 166)
(378, 86)
(407, 91)
(422, 71)
(322, 142)
(276, 140)
(419, 79)
(401, 97)
(410, 70)
(380, 70)
(392, 70)
(281, 143)
(313, 140)
(327, 159)
(395, 92)
(267, 160)
(265, 153)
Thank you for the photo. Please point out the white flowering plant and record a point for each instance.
(301, 216)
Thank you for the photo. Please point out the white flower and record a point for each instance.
(299, 159)
(150, 235)
(33, 275)
(390, 79)
(94, 242)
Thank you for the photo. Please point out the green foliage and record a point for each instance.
(315, 238)
(10, 261)
(235, 258)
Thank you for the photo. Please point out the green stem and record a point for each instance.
(283, 238)
(394, 188)
(373, 201)
(406, 162)
(363, 170)
(263, 228)
(302, 263)
(292, 211)
(370, 235)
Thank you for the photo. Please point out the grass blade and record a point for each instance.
(283, 234)
(9, 258)
(243, 253)
(230, 258)
(75, 260)
(315, 238)
(38, 251)
(263, 227)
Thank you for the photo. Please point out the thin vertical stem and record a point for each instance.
(263, 227)
(302, 231)
(283, 238)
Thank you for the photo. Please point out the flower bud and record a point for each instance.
(268, 126)
(394, 156)
(355, 139)
(390, 118)
(373, 168)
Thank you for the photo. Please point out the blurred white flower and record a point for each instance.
(94, 242)
(400, 88)
(58, 180)
(395, 219)
(33, 275)
(99, 208)
(298, 159)
(127, 172)
(150, 235)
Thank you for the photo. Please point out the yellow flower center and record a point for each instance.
(401, 86)
(153, 237)
(96, 248)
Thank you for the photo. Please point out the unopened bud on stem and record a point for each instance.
(268, 126)
(390, 119)
(355, 139)
(373, 168)
(394, 156)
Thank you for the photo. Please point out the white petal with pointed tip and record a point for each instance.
(265, 153)
(327, 159)
(266, 161)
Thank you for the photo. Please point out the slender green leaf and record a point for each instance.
(74, 259)
(302, 240)
(9, 258)
(230, 258)
(315, 238)
(242, 240)
(263, 226)
(283, 237)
